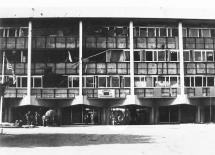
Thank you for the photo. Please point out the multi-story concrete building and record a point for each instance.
(111, 68)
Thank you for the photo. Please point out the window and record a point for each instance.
(198, 81)
(209, 56)
(90, 82)
(102, 82)
(186, 56)
(184, 32)
(115, 81)
(174, 82)
(139, 82)
(21, 82)
(127, 81)
(161, 55)
(151, 32)
(173, 56)
(136, 55)
(193, 32)
(74, 82)
(143, 32)
(187, 81)
(198, 56)
(212, 32)
(149, 56)
(163, 32)
(36, 82)
(210, 81)
(174, 32)
(205, 33)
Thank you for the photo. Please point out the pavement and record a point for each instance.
(186, 139)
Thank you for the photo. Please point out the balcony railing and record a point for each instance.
(96, 68)
(155, 68)
(43, 93)
(200, 91)
(13, 43)
(39, 68)
(199, 43)
(54, 42)
(157, 92)
(205, 68)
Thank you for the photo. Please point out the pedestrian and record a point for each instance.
(27, 117)
(36, 118)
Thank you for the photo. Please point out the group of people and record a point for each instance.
(33, 118)
(38, 119)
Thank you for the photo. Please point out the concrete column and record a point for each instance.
(29, 62)
(59, 114)
(2, 81)
(80, 56)
(152, 116)
(179, 114)
(10, 114)
(154, 119)
(200, 118)
(181, 50)
(131, 39)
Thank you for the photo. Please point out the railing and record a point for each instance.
(157, 92)
(200, 91)
(55, 42)
(155, 68)
(13, 43)
(193, 68)
(199, 43)
(92, 68)
(39, 68)
(115, 92)
(43, 93)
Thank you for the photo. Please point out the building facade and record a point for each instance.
(109, 70)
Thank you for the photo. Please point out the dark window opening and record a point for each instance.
(173, 56)
(198, 81)
(136, 55)
(149, 56)
(187, 81)
(210, 81)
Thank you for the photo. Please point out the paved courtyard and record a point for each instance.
(189, 139)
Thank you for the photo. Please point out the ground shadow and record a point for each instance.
(57, 140)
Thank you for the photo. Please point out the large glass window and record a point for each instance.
(161, 55)
(210, 81)
(149, 56)
(127, 81)
(198, 81)
(186, 56)
(115, 81)
(193, 32)
(90, 82)
(198, 56)
(143, 32)
(102, 82)
(205, 33)
(74, 81)
(209, 56)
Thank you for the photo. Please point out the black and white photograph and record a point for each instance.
(107, 77)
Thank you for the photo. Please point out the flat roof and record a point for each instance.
(172, 9)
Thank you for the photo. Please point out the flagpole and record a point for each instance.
(2, 81)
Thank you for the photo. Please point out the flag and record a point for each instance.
(10, 67)
(69, 56)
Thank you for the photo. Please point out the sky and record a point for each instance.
(110, 3)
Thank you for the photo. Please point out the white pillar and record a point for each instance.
(180, 40)
(2, 81)
(80, 56)
(29, 61)
(131, 35)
